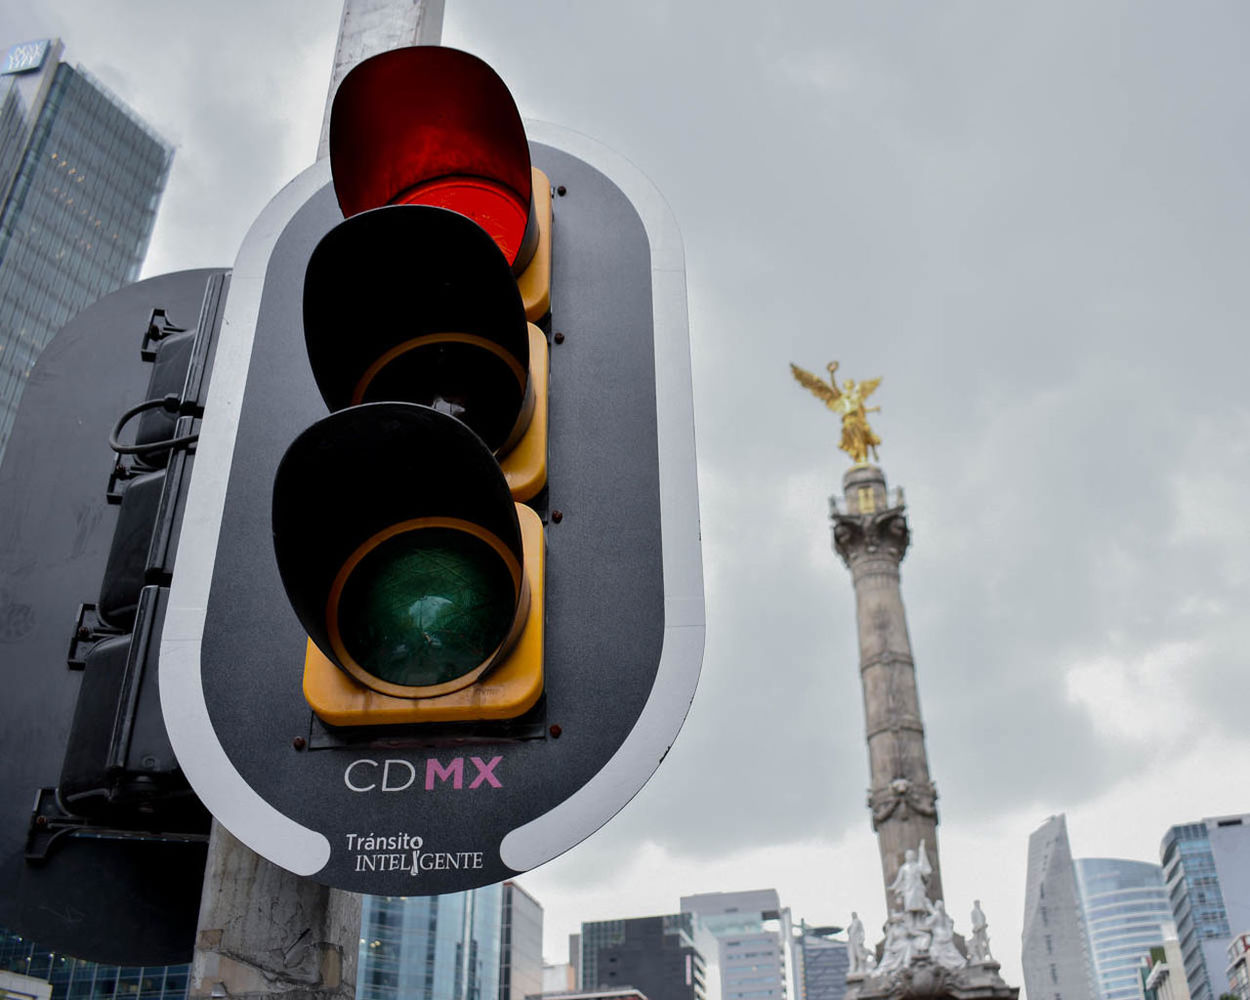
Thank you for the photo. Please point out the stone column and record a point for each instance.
(870, 534)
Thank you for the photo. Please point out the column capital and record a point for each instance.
(867, 520)
(883, 534)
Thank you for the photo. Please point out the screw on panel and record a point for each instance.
(558, 337)
(557, 516)
(555, 731)
(299, 743)
(562, 190)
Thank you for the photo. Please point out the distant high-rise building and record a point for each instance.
(622, 993)
(76, 977)
(1206, 867)
(752, 933)
(1239, 967)
(656, 955)
(430, 947)
(80, 178)
(820, 963)
(1055, 950)
(520, 944)
(1126, 913)
(1163, 973)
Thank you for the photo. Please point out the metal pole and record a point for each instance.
(372, 26)
(264, 932)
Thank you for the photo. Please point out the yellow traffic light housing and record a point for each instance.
(510, 689)
(398, 525)
(417, 578)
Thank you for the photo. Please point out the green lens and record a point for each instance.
(426, 607)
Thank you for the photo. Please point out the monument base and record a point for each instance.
(923, 979)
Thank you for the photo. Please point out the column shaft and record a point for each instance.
(871, 536)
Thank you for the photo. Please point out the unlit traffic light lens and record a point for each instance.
(426, 607)
(466, 377)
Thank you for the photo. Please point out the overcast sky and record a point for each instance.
(1033, 219)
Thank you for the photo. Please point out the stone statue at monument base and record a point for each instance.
(920, 959)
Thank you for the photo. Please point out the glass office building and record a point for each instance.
(1126, 912)
(821, 963)
(656, 955)
(1055, 948)
(1206, 867)
(80, 179)
(752, 932)
(430, 947)
(520, 944)
(73, 978)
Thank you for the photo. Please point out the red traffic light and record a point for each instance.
(434, 126)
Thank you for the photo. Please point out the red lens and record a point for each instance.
(432, 126)
(494, 207)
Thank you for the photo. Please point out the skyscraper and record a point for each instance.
(1054, 947)
(656, 955)
(1126, 913)
(520, 944)
(751, 931)
(80, 178)
(430, 947)
(1206, 867)
(820, 963)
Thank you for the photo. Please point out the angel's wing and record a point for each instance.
(868, 387)
(817, 386)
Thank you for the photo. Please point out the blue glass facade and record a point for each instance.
(822, 967)
(430, 947)
(1198, 907)
(73, 978)
(1126, 913)
(80, 180)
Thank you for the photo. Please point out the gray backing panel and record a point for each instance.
(605, 600)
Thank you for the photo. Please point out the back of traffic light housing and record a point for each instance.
(119, 767)
(419, 577)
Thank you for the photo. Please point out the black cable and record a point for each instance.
(172, 403)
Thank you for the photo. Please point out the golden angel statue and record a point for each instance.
(858, 438)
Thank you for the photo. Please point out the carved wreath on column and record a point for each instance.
(884, 533)
(902, 796)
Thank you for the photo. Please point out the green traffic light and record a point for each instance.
(426, 607)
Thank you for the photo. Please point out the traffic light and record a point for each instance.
(493, 592)
(109, 861)
(419, 575)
